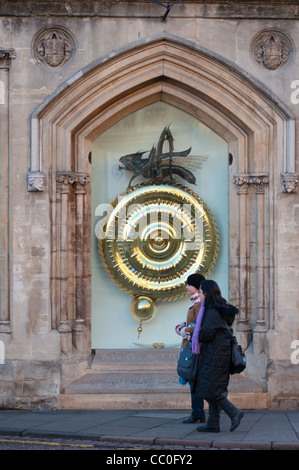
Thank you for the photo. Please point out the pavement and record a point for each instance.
(154, 429)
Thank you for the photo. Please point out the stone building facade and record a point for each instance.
(69, 72)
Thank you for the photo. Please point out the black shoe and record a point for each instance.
(207, 429)
(202, 419)
(236, 420)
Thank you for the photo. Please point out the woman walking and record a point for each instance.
(186, 330)
(215, 357)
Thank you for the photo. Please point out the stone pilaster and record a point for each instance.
(244, 183)
(70, 214)
(6, 55)
(62, 286)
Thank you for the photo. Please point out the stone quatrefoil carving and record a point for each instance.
(272, 50)
(53, 47)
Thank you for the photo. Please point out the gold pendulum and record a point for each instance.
(139, 329)
(143, 309)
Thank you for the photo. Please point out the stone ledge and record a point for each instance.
(147, 9)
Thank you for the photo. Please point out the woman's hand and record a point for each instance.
(179, 327)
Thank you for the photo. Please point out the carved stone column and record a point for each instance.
(243, 328)
(79, 327)
(244, 182)
(5, 59)
(61, 288)
(260, 183)
(70, 269)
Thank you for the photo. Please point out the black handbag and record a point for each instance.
(238, 358)
(187, 363)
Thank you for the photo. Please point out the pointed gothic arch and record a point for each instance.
(258, 128)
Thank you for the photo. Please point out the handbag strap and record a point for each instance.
(233, 338)
(226, 326)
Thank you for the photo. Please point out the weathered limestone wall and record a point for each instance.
(37, 360)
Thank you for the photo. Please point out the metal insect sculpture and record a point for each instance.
(158, 165)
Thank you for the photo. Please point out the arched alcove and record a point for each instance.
(257, 127)
(207, 160)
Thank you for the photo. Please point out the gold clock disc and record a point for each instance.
(154, 237)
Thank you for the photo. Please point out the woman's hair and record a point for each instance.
(212, 294)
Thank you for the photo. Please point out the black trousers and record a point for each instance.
(197, 405)
(214, 411)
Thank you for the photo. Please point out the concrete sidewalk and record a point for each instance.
(259, 430)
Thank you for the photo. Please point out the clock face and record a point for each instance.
(154, 237)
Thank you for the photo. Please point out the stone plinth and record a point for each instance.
(144, 379)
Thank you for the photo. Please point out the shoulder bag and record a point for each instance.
(187, 363)
(238, 358)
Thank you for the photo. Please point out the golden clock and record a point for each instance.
(154, 237)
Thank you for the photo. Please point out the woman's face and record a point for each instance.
(201, 295)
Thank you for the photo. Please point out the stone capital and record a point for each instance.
(244, 180)
(5, 57)
(72, 178)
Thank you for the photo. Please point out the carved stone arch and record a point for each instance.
(258, 128)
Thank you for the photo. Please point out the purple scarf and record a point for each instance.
(195, 343)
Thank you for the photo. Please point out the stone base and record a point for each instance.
(145, 379)
(152, 401)
(29, 384)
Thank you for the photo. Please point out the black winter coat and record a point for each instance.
(215, 353)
